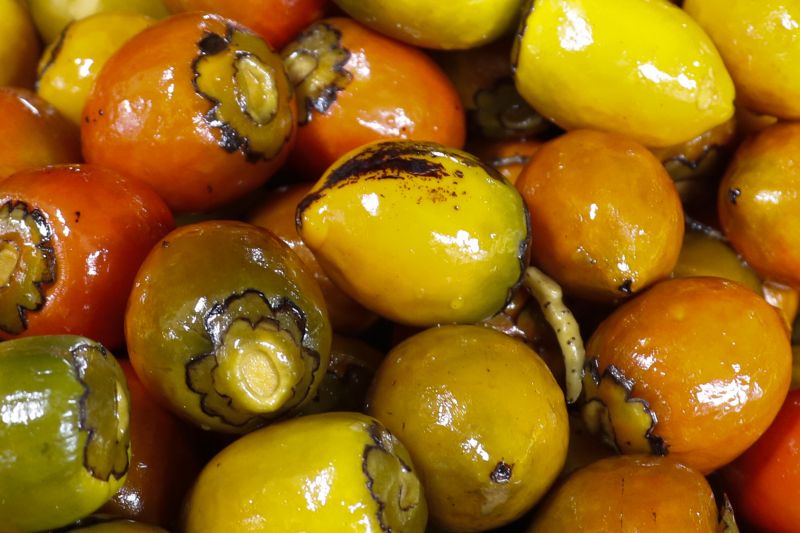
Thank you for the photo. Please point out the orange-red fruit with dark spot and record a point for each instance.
(195, 105)
(276, 21)
(356, 86)
(71, 240)
(35, 134)
(710, 358)
(606, 217)
(759, 202)
(630, 493)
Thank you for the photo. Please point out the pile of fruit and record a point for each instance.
(322, 266)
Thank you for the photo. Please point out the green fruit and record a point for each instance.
(64, 412)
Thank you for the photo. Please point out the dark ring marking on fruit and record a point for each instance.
(381, 489)
(315, 62)
(53, 55)
(101, 406)
(627, 422)
(501, 473)
(247, 106)
(249, 320)
(734, 194)
(27, 263)
(501, 112)
(525, 12)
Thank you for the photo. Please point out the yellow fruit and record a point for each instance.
(760, 43)
(482, 417)
(418, 232)
(70, 64)
(642, 68)
(453, 24)
(317, 473)
(20, 47)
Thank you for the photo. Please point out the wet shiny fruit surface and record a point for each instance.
(309, 474)
(445, 233)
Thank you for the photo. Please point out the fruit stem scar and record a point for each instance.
(258, 368)
(548, 293)
(9, 257)
(256, 92)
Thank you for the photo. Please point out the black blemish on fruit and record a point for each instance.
(211, 43)
(626, 286)
(734, 194)
(77, 216)
(501, 473)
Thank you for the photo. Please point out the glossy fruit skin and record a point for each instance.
(65, 439)
(52, 16)
(70, 64)
(309, 474)
(418, 232)
(276, 21)
(382, 89)
(482, 417)
(507, 157)
(100, 226)
(165, 459)
(763, 480)
(758, 200)
(759, 42)
(630, 493)
(113, 525)
(276, 213)
(606, 216)
(445, 25)
(187, 135)
(710, 358)
(582, 62)
(201, 277)
(42, 136)
(20, 47)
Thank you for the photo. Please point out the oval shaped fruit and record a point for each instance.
(630, 493)
(759, 199)
(582, 63)
(418, 232)
(337, 470)
(71, 240)
(606, 216)
(482, 417)
(41, 135)
(447, 25)
(760, 43)
(693, 368)
(356, 86)
(63, 430)
(70, 64)
(226, 327)
(205, 121)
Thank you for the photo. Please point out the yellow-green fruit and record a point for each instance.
(642, 68)
(318, 473)
(482, 417)
(64, 414)
(70, 64)
(454, 24)
(114, 525)
(19, 48)
(418, 232)
(760, 43)
(52, 16)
